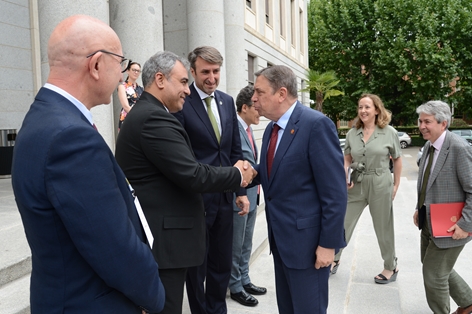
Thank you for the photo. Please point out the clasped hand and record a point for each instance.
(247, 171)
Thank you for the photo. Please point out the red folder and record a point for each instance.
(444, 216)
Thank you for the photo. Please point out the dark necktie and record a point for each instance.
(214, 124)
(424, 184)
(272, 144)
(95, 127)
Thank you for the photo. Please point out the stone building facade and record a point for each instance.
(250, 34)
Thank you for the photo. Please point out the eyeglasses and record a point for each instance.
(123, 62)
(135, 70)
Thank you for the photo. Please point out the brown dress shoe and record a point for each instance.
(467, 310)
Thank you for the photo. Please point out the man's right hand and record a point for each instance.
(247, 172)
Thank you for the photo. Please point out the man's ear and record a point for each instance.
(282, 93)
(160, 79)
(94, 65)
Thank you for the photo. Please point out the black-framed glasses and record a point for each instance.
(124, 62)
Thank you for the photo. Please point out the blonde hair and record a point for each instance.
(383, 118)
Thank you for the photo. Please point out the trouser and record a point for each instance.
(440, 279)
(243, 230)
(299, 291)
(173, 281)
(376, 191)
(207, 284)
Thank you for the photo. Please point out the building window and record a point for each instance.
(267, 12)
(282, 17)
(302, 32)
(292, 24)
(250, 69)
(249, 4)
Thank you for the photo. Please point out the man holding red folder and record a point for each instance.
(445, 176)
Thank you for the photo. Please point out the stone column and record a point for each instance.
(236, 56)
(206, 27)
(51, 12)
(139, 27)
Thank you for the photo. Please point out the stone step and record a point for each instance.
(14, 296)
(15, 254)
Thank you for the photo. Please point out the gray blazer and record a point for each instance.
(450, 181)
(249, 156)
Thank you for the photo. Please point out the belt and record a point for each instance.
(377, 171)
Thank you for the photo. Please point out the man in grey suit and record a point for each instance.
(447, 179)
(240, 284)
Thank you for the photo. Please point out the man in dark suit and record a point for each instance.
(240, 285)
(210, 121)
(89, 249)
(444, 176)
(154, 151)
(301, 172)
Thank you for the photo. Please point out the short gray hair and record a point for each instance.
(163, 62)
(437, 108)
(280, 76)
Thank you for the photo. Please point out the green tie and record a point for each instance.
(426, 177)
(214, 124)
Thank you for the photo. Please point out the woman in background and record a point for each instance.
(129, 92)
(367, 152)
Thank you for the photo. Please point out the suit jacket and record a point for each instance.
(248, 155)
(306, 194)
(88, 247)
(194, 119)
(450, 181)
(154, 151)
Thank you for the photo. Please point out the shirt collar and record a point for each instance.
(243, 123)
(283, 120)
(439, 142)
(201, 93)
(72, 99)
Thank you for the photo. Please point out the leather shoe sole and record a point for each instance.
(255, 290)
(244, 298)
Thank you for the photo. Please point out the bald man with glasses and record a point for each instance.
(90, 250)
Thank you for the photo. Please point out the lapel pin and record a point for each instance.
(221, 102)
(292, 131)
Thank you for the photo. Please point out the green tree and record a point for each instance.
(321, 85)
(407, 52)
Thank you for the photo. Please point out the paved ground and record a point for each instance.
(352, 289)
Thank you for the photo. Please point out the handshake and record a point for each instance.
(247, 171)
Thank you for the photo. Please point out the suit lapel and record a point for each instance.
(421, 167)
(223, 113)
(440, 161)
(264, 147)
(289, 134)
(255, 146)
(202, 114)
(244, 135)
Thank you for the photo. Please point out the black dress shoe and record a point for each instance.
(244, 298)
(255, 290)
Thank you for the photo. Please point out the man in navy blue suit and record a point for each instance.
(209, 117)
(303, 178)
(88, 244)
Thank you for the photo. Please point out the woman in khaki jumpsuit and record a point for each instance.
(367, 152)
